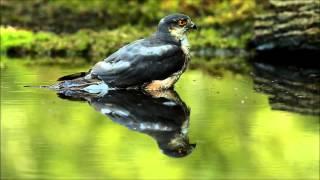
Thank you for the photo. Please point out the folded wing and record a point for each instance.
(139, 62)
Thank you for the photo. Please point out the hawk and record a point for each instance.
(153, 63)
(160, 114)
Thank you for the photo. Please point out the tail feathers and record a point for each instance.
(37, 86)
(73, 76)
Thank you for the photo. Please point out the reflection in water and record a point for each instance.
(43, 137)
(289, 88)
(162, 115)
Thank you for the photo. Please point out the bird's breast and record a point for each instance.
(169, 81)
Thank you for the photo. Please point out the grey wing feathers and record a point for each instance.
(139, 62)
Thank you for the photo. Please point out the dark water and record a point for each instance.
(238, 127)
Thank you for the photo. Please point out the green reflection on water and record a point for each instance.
(237, 134)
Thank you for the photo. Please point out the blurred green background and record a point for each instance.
(94, 29)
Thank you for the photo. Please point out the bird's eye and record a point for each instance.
(182, 22)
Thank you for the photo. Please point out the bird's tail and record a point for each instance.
(73, 76)
(39, 86)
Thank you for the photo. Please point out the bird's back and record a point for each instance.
(140, 62)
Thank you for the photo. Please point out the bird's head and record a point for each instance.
(177, 146)
(176, 25)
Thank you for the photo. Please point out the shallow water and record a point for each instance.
(242, 127)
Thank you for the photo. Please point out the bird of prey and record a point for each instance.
(160, 114)
(153, 63)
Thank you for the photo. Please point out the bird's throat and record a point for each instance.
(185, 46)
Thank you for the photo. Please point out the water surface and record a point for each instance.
(240, 131)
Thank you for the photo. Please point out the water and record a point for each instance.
(265, 127)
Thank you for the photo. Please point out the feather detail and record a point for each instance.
(73, 76)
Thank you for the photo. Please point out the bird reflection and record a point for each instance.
(290, 88)
(159, 114)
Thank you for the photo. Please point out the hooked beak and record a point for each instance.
(193, 26)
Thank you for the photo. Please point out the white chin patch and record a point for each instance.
(178, 33)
